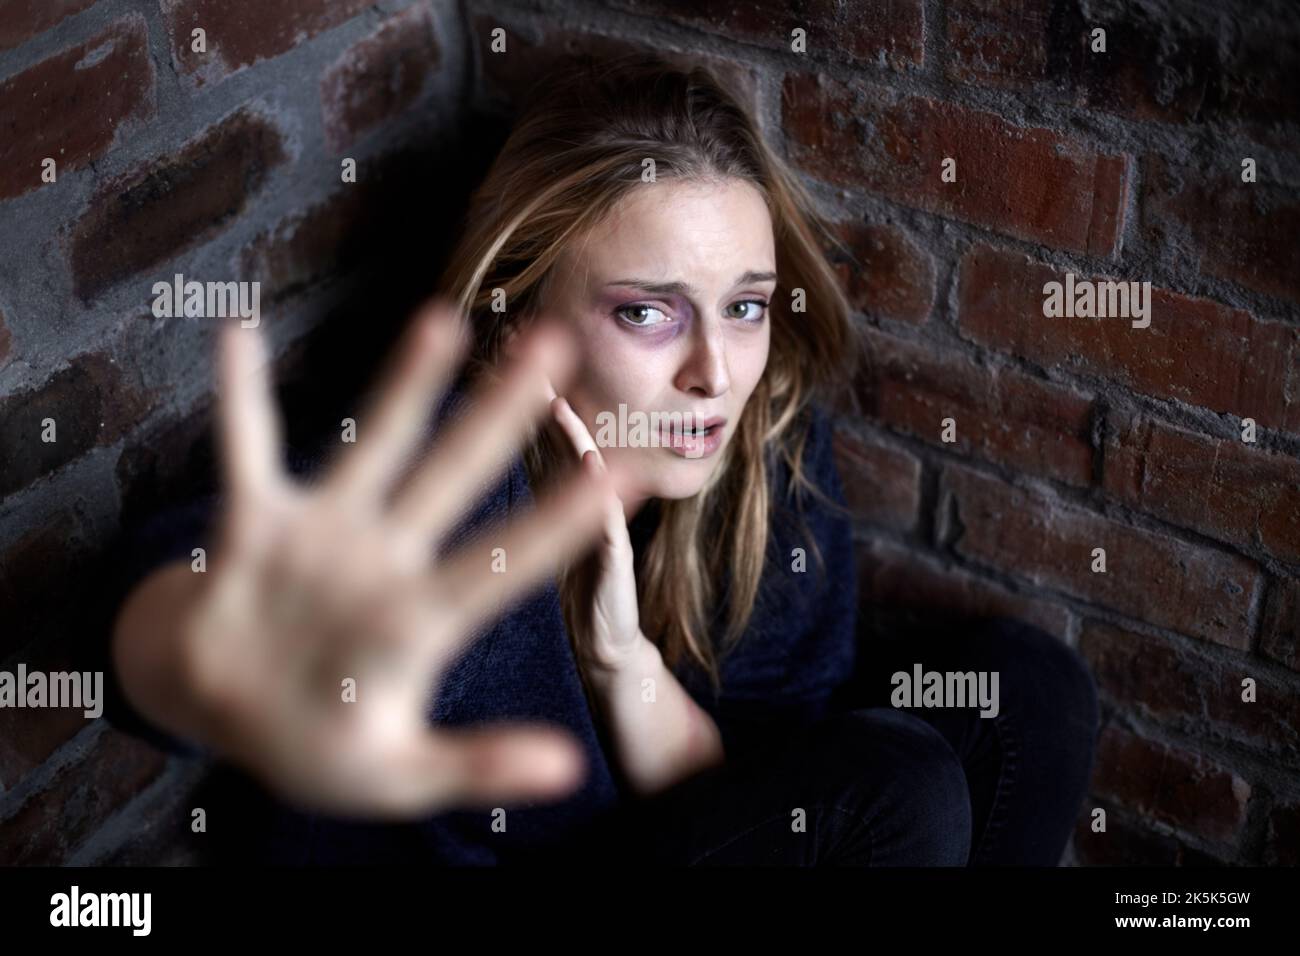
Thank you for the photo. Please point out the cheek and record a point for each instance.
(748, 360)
(614, 370)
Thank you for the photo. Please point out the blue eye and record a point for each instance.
(760, 306)
(622, 311)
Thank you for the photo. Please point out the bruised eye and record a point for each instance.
(641, 316)
(755, 310)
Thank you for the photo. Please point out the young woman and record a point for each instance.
(689, 690)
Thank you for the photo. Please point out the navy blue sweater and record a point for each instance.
(785, 672)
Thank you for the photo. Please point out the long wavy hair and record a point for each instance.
(576, 149)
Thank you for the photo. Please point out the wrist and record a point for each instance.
(630, 665)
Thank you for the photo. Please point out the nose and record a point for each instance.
(704, 372)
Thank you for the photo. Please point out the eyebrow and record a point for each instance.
(682, 288)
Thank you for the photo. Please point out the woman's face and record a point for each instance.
(669, 296)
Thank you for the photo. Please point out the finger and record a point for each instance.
(509, 559)
(476, 447)
(248, 426)
(615, 524)
(574, 428)
(433, 346)
(497, 764)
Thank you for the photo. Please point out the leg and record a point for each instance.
(876, 787)
(1028, 768)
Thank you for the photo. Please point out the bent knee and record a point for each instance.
(920, 794)
(1039, 673)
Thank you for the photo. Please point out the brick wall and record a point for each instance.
(1069, 434)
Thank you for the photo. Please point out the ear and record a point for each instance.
(509, 345)
(510, 340)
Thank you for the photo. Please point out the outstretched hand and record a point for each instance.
(325, 621)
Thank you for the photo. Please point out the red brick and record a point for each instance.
(892, 277)
(1171, 785)
(1247, 233)
(1168, 583)
(513, 74)
(1194, 693)
(881, 33)
(1195, 350)
(1001, 415)
(73, 106)
(92, 402)
(50, 826)
(151, 215)
(1224, 488)
(1281, 628)
(20, 20)
(881, 485)
(1026, 182)
(242, 32)
(995, 43)
(892, 577)
(378, 76)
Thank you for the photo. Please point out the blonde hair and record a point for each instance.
(576, 150)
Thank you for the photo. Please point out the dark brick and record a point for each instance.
(1001, 415)
(1192, 692)
(890, 34)
(513, 74)
(166, 463)
(73, 106)
(1247, 233)
(1283, 846)
(6, 340)
(150, 216)
(377, 77)
(29, 736)
(50, 826)
(1281, 629)
(20, 20)
(1198, 591)
(1127, 844)
(1026, 182)
(1171, 785)
(242, 32)
(92, 403)
(892, 578)
(1224, 488)
(892, 277)
(34, 574)
(1210, 62)
(1195, 350)
(881, 485)
(309, 246)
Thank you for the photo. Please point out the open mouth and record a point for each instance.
(697, 441)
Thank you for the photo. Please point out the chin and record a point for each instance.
(670, 477)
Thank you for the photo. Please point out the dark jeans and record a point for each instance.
(885, 786)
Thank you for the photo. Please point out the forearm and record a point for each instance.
(660, 734)
(146, 651)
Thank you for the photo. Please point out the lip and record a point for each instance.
(691, 446)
